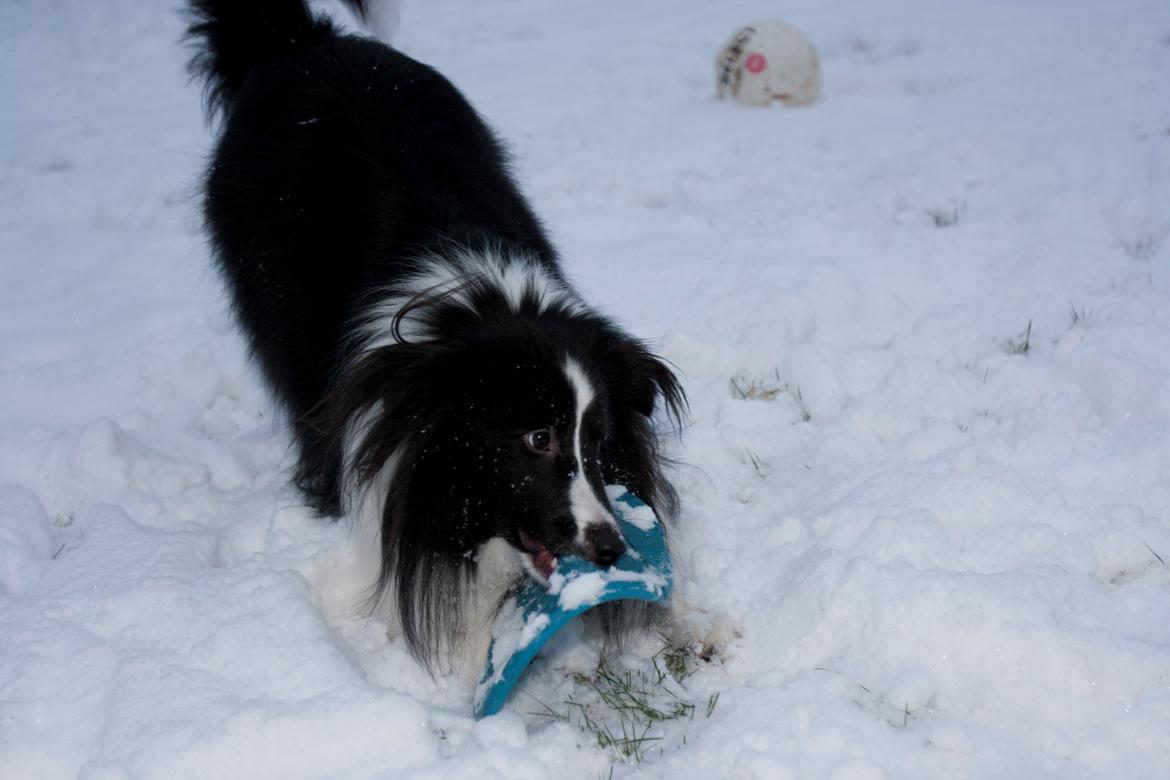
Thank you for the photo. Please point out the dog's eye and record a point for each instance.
(539, 440)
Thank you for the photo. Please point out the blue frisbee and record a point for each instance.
(531, 617)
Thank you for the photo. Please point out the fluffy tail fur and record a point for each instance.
(379, 16)
(232, 37)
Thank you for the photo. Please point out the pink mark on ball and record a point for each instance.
(755, 62)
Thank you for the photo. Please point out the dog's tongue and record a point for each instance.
(545, 562)
(543, 559)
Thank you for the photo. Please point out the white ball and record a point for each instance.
(769, 60)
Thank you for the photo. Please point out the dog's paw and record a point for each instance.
(702, 636)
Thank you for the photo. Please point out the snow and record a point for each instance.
(583, 589)
(512, 631)
(919, 550)
(641, 516)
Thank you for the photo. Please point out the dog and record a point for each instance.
(443, 379)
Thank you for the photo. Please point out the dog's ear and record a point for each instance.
(389, 394)
(643, 378)
(638, 383)
(399, 400)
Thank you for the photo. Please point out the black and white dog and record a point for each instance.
(409, 312)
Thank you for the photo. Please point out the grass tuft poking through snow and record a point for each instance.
(755, 389)
(744, 389)
(947, 216)
(627, 711)
(1143, 248)
(1021, 344)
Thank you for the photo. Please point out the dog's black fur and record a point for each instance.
(347, 179)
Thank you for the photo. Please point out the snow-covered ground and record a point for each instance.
(929, 551)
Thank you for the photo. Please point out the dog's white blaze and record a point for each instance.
(586, 509)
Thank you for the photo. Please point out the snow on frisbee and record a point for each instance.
(531, 617)
(769, 60)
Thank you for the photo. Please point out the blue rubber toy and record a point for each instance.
(530, 619)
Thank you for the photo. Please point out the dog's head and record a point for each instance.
(514, 431)
(557, 411)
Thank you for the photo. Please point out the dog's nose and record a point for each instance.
(605, 544)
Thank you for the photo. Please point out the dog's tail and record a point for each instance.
(379, 16)
(231, 37)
